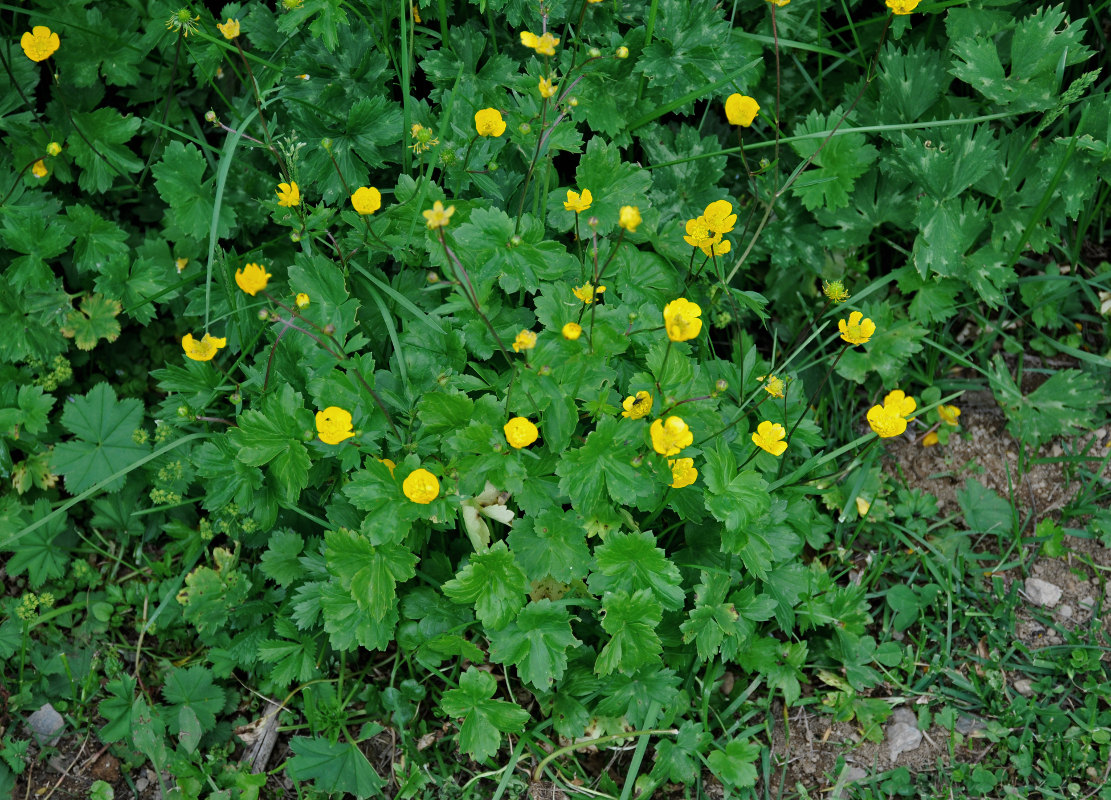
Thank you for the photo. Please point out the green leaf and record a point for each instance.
(677, 759)
(631, 621)
(37, 553)
(484, 719)
(281, 563)
(829, 180)
(100, 151)
(371, 573)
(179, 178)
(744, 499)
(612, 182)
(95, 240)
(912, 80)
(347, 624)
(273, 436)
(193, 688)
(29, 233)
(148, 732)
(631, 561)
(984, 510)
(210, 595)
(947, 163)
(494, 583)
(333, 767)
(95, 320)
(717, 625)
(489, 241)
(735, 764)
(553, 543)
(536, 642)
(103, 426)
(604, 464)
(1064, 403)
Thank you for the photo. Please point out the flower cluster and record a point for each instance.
(890, 419)
(705, 232)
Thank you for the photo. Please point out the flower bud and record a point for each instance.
(295, 237)
(210, 116)
(493, 166)
(302, 300)
(235, 398)
(633, 316)
(594, 52)
(573, 102)
(326, 144)
(721, 385)
(623, 52)
(592, 222)
(263, 314)
(183, 411)
(637, 461)
(53, 148)
(433, 277)
(524, 129)
(515, 241)
(448, 157)
(329, 329)
(545, 370)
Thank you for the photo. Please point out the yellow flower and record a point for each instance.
(740, 109)
(930, 439)
(181, 22)
(622, 52)
(416, 14)
(717, 248)
(719, 216)
(857, 330)
(835, 291)
(421, 486)
(886, 422)
(683, 472)
(769, 436)
(775, 386)
(38, 169)
(698, 233)
(578, 202)
(489, 122)
(547, 88)
(899, 403)
(40, 43)
(204, 349)
(587, 292)
(302, 300)
(529, 39)
(334, 425)
(53, 149)
(252, 278)
(546, 44)
(949, 415)
(526, 340)
(572, 331)
(520, 432)
(779, 3)
(438, 216)
(630, 218)
(180, 264)
(230, 29)
(637, 407)
(670, 436)
(681, 320)
(424, 138)
(288, 194)
(366, 200)
(902, 7)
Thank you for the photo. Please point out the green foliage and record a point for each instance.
(103, 445)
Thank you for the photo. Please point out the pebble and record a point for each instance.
(1087, 603)
(901, 738)
(1043, 593)
(849, 776)
(141, 785)
(1024, 687)
(1065, 611)
(46, 724)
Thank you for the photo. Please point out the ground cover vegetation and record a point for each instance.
(493, 397)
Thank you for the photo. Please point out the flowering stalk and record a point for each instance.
(810, 402)
(532, 164)
(347, 189)
(598, 273)
(469, 292)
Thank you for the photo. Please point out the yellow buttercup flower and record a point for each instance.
(698, 233)
(902, 7)
(526, 340)
(886, 422)
(898, 403)
(334, 425)
(857, 330)
(181, 21)
(572, 331)
(930, 439)
(547, 88)
(775, 386)
(717, 248)
(438, 216)
(424, 139)
(769, 436)
(630, 218)
(740, 109)
(181, 263)
(529, 39)
(520, 432)
(421, 486)
(230, 29)
(53, 149)
(302, 300)
(587, 292)
(949, 415)
(638, 406)
(204, 349)
(683, 472)
(578, 202)
(40, 43)
(544, 44)
(366, 200)
(779, 3)
(681, 320)
(252, 278)
(38, 169)
(719, 216)
(670, 436)
(489, 122)
(288, 194)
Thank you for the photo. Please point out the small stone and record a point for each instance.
(967, 724)
(1043, 593)
(141, 785)
(1065, 611)
(46, 724)
(901, 738)
(1024, 687)
(904, 715)
(1087, 603)
(849, 775)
